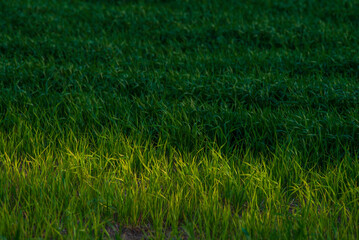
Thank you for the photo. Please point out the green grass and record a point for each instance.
(179, 119)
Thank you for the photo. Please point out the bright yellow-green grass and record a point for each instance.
(232, 119)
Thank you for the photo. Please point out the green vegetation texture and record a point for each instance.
(234, 119)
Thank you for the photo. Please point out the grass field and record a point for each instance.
(233, 119)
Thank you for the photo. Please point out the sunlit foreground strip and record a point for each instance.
(120, 186)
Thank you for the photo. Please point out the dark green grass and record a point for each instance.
(179, 119)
